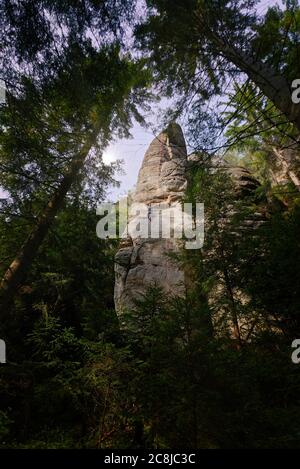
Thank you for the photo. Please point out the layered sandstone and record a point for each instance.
(143, 261)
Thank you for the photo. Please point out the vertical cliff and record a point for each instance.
(143, 261)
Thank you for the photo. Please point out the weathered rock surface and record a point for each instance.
(141, 261)
(162, 175)
(245, 183)
(286, 166)
(162, 181)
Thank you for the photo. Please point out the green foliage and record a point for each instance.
(5, 423)
(194, 389)
(212, 369)
(200, 51)
(174, 377)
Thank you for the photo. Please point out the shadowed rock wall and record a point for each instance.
(141, 262)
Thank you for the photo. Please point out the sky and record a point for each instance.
(131, 151)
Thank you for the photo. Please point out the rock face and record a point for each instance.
(141, 261)
(287, 165)
(144, 260)
(162, 175)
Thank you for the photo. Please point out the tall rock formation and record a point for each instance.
(143, 261)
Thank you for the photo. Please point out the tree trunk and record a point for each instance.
(235, 321)
(286, 166)
(19, 267)
(272, 84)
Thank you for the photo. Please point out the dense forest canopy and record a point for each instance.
(211, 369)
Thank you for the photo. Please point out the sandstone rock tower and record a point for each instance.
(141, 262)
